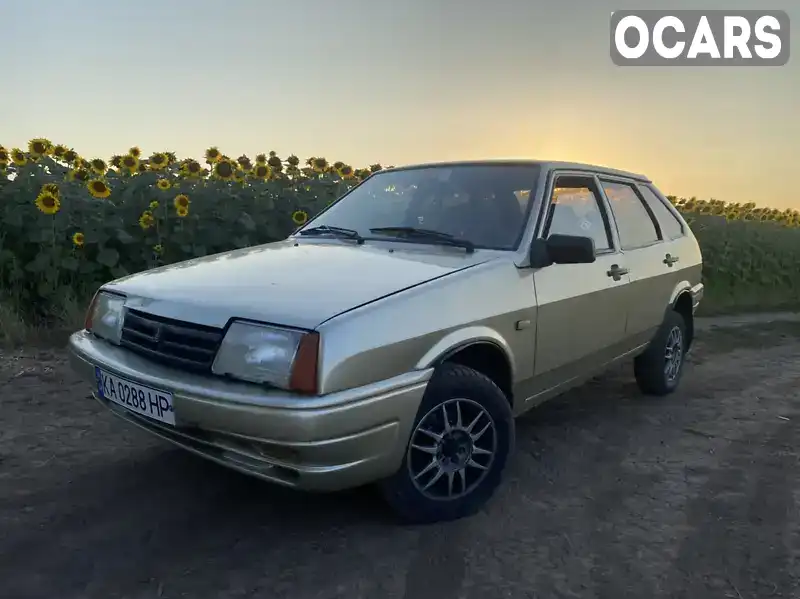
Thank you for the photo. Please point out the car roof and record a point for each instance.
(545, 164)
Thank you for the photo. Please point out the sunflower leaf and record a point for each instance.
(124, 236)
(241, 242)
(247, 222)
(70, 263)
(108, 257)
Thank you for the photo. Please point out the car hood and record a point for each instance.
(292, 283)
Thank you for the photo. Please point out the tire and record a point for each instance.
(454, 390)
(650, 368)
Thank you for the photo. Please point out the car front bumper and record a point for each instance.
(322, 443)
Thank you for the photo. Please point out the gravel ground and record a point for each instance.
(609, 495)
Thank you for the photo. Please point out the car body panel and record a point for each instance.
(387, 313)
(399, 332)
(283, 282)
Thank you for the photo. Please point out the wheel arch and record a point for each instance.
(682, 303)
(479, 348)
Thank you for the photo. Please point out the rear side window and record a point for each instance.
(671, 227)
(575, 210)
(636, 226)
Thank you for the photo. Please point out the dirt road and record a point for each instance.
(610, 495)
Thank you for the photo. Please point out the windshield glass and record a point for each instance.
(483, 204)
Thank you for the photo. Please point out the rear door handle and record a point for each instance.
(670, 260)
(616, 272)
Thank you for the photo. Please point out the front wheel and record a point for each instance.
(658, 370)
(457, 451)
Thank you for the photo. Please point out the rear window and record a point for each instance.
(671, 227)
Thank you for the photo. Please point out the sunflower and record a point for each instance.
(4, 157)
(59, 151)
(142, 167)
(262, 171)
(70, 156)
(224, 169)
(320, 165)
(99, 166)
(300, 217)
(158, 161)
(375, 168)
(48, 203)
(158, 249)
(193, 168)
(181, 201)
(131, 163)
(163, 184)
(135, 152)
(345, 171)
(244, 162)
(239, 176)
(293, 160)
(98, 188)
(78, 174)
(78, 239)
(153, 205)
(171, 158)
(39, 146)
(18, 157)
(116, 161)
(81, 163)
(338, 165)
(293, 171)
(212, 154)
(50, 188)
(146, 220)
(182, 211)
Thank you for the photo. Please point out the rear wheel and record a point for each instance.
(461, 440)
(658, 370)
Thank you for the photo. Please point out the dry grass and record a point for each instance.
(17, 328)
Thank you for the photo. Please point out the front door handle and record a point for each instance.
(616, 272)
(670, 260)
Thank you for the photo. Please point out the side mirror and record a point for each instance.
(562, 249)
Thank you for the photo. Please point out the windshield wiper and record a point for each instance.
(427, 234)
(340, 232)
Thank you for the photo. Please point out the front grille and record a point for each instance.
(173, 342)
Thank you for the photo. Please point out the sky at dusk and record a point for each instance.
(378, 81)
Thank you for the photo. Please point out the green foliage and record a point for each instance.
(56, 236)
(68, 225)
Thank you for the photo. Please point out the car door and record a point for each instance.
(581, 307)
(647, 255)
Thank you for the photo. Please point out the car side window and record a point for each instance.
(671, 227)
(634, 222)
(575, 209)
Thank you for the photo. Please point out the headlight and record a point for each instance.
(105, 314)
(259, 353)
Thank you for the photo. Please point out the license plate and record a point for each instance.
(137, 398)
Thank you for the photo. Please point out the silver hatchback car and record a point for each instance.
(395, 336)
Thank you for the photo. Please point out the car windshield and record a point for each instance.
(484, 205)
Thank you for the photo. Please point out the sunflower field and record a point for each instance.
(69, 223)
